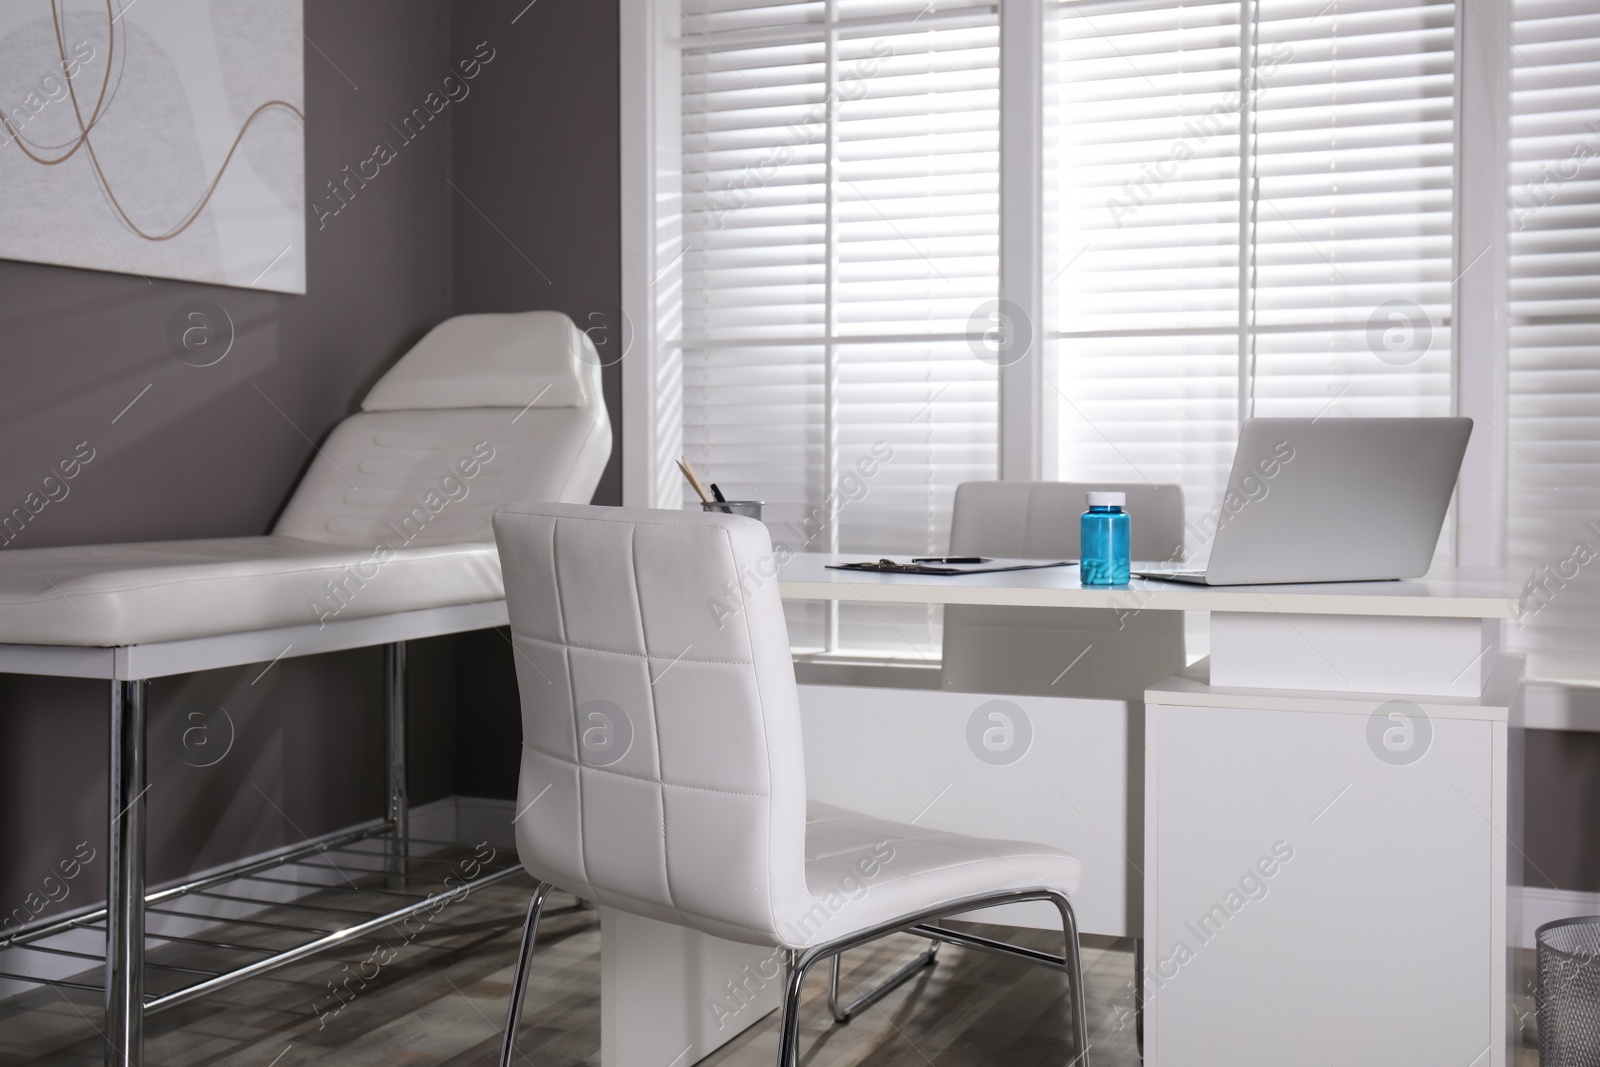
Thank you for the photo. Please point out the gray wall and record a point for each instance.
(214, 452)
(536, 151)
(1562, 822)
(539, 159)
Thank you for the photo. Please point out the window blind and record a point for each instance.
(1553, 370)
(1253, 211)
(840, 191)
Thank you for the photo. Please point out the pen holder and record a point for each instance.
(748, 508)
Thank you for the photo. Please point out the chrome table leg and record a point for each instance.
(397, 808)
(125, 857)
(1138, 992)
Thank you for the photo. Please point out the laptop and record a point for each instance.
(1328, 500)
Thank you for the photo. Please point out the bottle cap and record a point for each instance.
(1107, 500)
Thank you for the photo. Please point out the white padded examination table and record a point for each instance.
(387, 538)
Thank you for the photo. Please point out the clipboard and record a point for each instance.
(986, 566)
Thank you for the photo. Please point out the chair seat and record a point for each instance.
(129, 594)
(863, 871)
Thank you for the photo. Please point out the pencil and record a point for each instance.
(694, 482)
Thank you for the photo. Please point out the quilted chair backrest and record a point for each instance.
(484, 410)
(1111, 653)
(662, 770)
(1040, 520)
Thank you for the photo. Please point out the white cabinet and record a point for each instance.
(1327, 876)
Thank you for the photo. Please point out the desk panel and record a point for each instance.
(1063, 772)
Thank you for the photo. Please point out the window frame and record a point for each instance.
(651, 421)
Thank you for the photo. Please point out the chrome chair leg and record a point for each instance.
(798, 963)
(1074, 962)
(921, 924)
(925, 958)
(519, 984)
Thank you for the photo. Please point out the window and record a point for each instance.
(840, 226)
(1554, 370)
(1213, 209)
(1254, 212)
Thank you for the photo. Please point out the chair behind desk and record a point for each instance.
(1082, 652)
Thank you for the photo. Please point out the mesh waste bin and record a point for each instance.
(1568, 992)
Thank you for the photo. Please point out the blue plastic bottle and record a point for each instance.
(1103, 543)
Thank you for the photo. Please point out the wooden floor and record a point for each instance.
(441, 1000)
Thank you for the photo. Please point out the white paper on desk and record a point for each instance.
(994, 564)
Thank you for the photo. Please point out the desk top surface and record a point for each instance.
(1444, 593)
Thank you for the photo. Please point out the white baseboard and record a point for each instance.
(481, 819)
(1532, 907)
(466, 821)
(435, 820)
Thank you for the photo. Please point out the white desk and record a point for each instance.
(1455, 593)
(1380, 939)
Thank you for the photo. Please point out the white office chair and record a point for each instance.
(662, 769)
(1084, 652)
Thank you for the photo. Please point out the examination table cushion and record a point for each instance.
(129, 594)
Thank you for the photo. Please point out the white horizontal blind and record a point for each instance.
(1352, 172)
(1146, 287)
(1254, 212)
(840, 177)
(1554, 368)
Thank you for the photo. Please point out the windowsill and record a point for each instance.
(1551, 705)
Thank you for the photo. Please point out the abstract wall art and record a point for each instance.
(163, 138)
